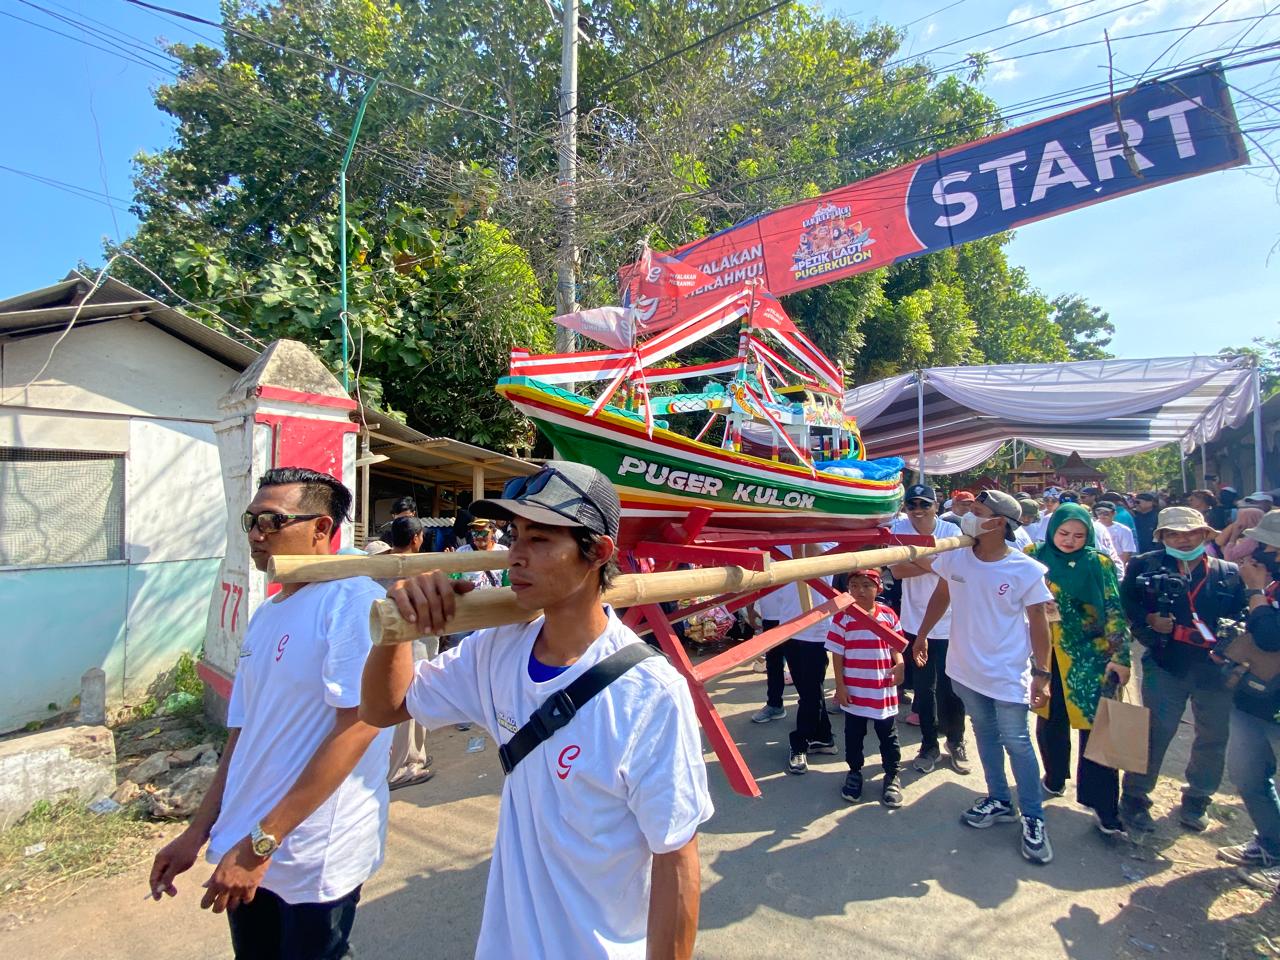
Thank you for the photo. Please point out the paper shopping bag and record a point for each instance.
(1121, 734)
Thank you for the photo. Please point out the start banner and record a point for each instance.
(1156, 133)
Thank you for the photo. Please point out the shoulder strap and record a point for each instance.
(559, 708)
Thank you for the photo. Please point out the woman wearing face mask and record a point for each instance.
(1090, 649)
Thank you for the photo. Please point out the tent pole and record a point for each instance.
(920, 426)
(1182, 464)
(1204, 464)
(1257, 427)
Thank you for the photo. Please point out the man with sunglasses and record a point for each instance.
(296, 816)
(936, 703)
(596, 853)
(482, 535)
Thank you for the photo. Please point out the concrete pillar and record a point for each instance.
(286, 410)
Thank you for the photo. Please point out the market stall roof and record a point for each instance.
(417, 457)
(1098, 408)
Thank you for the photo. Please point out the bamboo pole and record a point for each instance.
(384, 566)
(493, 608)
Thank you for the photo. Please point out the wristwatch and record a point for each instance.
(1254, 592)
(264, 844)
(1040, 674)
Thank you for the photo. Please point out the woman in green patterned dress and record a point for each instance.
(1090, 648)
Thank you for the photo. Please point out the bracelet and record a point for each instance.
(1041, 674)
(1254, 592)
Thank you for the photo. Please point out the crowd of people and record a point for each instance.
(597, 849)
(1038, 617)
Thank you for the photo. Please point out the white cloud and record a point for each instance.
(1004, 71)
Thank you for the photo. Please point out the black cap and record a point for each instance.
(1149, 497)
(920, 491)
(561, 494)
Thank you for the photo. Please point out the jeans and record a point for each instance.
(1096, 786)
(855, 732)
(1166, 695)
(1252, 760)
(807, 662)
(1000, 727)
(935, 700)
(774, 680)
(270, 929)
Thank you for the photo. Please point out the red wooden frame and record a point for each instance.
(684, 543)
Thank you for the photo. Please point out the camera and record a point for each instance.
(1165, 588)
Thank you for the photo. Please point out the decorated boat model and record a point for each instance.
(767, 447)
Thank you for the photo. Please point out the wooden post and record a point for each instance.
(477, 482)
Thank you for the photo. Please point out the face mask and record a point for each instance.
(972, 525)
(1185, 555)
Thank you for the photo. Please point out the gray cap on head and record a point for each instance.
(1267, 531)
(561, 494)
(1003, 505)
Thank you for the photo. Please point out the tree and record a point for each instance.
(1086, 329)
(438, 310)
(1266, 353)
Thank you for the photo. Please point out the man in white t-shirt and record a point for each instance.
(934, 701)
(596, 854)
(1121, 536)
(483, 535)
(296, 816)
(998, 660)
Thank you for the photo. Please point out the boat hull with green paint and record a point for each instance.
(662, 477)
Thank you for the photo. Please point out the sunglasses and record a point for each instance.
(268, 522)
(518, 488)
(919, 504)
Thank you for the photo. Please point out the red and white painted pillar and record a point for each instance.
(286, 410)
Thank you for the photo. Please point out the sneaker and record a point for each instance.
(958, 758)
(1248, 854)
(1049, 791)
(1035, 841)
(767, 713)
(1108, 828)
(1266, 879)
(852, 789)
(799, 762)
(758, 665)
(1194, 815)
(988, 811)
(913, 719)
(1135, 812)
(891, 792)
(925, 759)
(823, 746)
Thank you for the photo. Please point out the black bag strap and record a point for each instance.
(559, 708)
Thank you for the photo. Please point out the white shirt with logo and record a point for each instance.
(302, 658)
(916, 591)
(583, 814)
(990, 637)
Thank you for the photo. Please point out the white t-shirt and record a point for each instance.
(302, 657)
(1021, 538)
(784, 603)
(1122, 537)
(990, 637)
(916, 591)
(1037, 529)
(1102, 541)
(584, 813)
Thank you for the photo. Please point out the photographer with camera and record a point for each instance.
(1255, 727)
(1174, 597)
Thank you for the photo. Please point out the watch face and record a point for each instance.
(264, 846)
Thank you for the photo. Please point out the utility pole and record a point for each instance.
(342, 224)
(567, 150)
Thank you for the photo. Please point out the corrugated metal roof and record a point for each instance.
(53, 307)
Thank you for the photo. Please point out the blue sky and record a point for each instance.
(1185, 268)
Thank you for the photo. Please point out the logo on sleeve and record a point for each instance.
(565, 760)
(280, 647)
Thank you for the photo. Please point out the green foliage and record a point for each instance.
(453, 222)
(1266, 353)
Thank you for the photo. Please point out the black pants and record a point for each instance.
(774, 680)
(935, 701)
(270, 929)
(807, 662)
(855, 732)
(1096, 786)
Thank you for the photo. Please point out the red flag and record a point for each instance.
(653, 287)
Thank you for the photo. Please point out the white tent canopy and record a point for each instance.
(957, 417)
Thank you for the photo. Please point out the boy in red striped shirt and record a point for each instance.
(868, 672)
